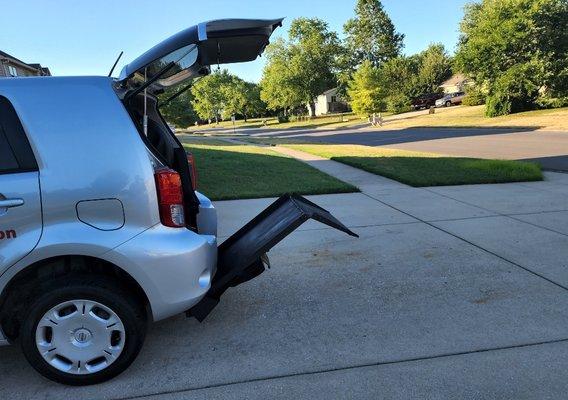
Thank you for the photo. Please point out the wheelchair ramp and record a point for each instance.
(242, 257)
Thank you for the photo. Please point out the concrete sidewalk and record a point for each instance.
(450, 292)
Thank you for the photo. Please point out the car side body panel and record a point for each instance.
(88, 152)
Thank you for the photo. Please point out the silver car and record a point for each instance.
(101, 229)
(451, 99)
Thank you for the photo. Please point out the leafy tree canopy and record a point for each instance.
(502, 38)
(399, 80)
(371, 35)
(300, 69)
(366, 90)
(178, 111)
(222, 94)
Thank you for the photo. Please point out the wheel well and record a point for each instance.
(27, 284)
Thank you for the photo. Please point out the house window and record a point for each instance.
(334, 99)
(12, 70)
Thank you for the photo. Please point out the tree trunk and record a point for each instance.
(245, 115)
(312, 109)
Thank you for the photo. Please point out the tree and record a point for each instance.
(371, 35)
(179, 111)
(401, 75)
(277, 83)
(223, 94)
(242, 98)
(299, 70)
(392, 85)
(435, 66)
(209, 98)
(366, 91)
(253, 105)
(524, 39)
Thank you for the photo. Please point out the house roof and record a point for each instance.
(3, 54)
(455, 80)
(44, 70)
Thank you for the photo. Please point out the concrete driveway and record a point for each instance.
(549, 148)
(450, 292)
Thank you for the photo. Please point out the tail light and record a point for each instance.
(192, 170)
(170, 198)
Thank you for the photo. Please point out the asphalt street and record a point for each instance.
(549, 148)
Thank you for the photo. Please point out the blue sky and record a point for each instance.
(84, 37)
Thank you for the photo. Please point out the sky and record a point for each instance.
(84, 37)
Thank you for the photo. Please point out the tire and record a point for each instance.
(79, 311)
(448, 103)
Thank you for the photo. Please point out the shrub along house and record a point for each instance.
(11, 67)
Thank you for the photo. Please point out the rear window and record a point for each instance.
(15, 152)
(182, 60)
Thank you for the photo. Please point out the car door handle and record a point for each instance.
(8, 203)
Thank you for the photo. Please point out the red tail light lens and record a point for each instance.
(170, 198)
(192, 170)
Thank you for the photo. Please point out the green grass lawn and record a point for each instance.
(468, 117)
(227, 171)
(425, 169)
(329, 121)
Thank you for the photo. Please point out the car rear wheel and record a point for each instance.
(83, 333)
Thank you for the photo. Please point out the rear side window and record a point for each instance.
(15, 151)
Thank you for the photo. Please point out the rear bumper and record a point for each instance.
(173, 266)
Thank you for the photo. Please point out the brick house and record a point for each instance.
(11, 67)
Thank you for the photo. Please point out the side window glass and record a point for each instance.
(16, 154)
(7, 160)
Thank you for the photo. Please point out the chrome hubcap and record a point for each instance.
(80, 337)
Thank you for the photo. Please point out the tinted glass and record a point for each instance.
(7, 160)
(15, 150)
(183, 60)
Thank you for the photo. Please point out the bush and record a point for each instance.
(398, 103)
(474, 97)
(514, 91)
(552, 102)
(283, 118)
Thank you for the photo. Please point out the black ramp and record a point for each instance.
(242, 256)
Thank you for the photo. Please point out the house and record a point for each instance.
(457, 83)
(330, 102)
(11, 67)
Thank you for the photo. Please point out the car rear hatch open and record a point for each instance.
(191, 52)
(243, 256)
(178, 59)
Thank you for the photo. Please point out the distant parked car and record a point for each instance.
(172, 127)
(425, 101)
(452, 99)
